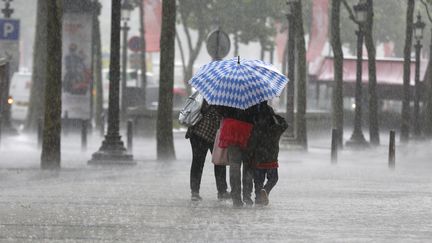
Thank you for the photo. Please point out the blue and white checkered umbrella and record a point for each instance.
(238, 83)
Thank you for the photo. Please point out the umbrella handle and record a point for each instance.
(238, 60)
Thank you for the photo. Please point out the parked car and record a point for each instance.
(134, 90)
(19, 90)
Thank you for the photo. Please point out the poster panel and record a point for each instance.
(76, 71)
(152, 24)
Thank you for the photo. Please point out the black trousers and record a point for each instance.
(259, 178)
(199, 151)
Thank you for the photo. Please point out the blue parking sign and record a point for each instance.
(9, 29)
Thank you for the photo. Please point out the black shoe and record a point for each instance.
(238, 203)
(263, 196)
(195, 197)
(224, 195)
(248, 201)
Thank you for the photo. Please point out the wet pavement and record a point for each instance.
(358, 199)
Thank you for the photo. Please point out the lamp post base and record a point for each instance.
(357, 141)
(112, 152)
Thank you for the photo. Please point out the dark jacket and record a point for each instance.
(268, 127)
(248, 115)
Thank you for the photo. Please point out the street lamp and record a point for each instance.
(126, 10)
(289, 134)
(357, 138)
(7, 10)
(418, 35)
(112, 150)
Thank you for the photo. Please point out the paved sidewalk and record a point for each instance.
(359, 199)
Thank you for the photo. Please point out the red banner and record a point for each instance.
(152, 24)
(281, 40)
(319, 30)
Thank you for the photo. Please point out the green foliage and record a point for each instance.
(389, 22)
(252, 20)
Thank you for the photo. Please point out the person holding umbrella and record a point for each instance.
(201, 137)
(237, 88)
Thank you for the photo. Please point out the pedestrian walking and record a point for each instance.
(264, 151)
(237, 87)
(201, 137)
(235, 132)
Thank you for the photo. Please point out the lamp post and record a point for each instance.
(7, 10)
(357, 138)
(126, 9)
(112, 150)
(418, 35)
(289, 134)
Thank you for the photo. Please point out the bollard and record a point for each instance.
(39, 133)
(0, 130)
(102, 125)
(66, 123)
(392, 150)
(83, 135)
(334, 146)
(129, 135)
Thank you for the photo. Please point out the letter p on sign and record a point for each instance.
(9, 29)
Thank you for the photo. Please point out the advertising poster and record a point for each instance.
(76, 72)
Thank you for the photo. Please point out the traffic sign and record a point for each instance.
(9, 29)
(134, 43)
(218, 44)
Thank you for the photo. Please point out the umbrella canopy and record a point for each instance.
(238, 83)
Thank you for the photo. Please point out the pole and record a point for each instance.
(334, 146)
(417, 91)
(143, 54)
(125, 30)
(84, 135)
(129, 136)
(112, 150)
(357, 138)
(102, 124)
(392, 150)
(39, 133)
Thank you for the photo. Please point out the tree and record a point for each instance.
(335, 40)
(37, 93)
(191, 14)
(165, 143)
(373, 98)
(405, 121)
(428, 82)
(301, 72)
(143, 50)
(50, 158)
(386, 30)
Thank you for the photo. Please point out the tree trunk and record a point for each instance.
(291, 62)
(263, 48)
(50, 158)
(37, 93)
(301, 72)
(143, 52)
(194, 50)
(335, 39)
(98, 67)
(406, 113)
(372, 86)
(165, 143)
(428, 96)
(236, 44)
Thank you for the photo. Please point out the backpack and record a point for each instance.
(190, 114)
